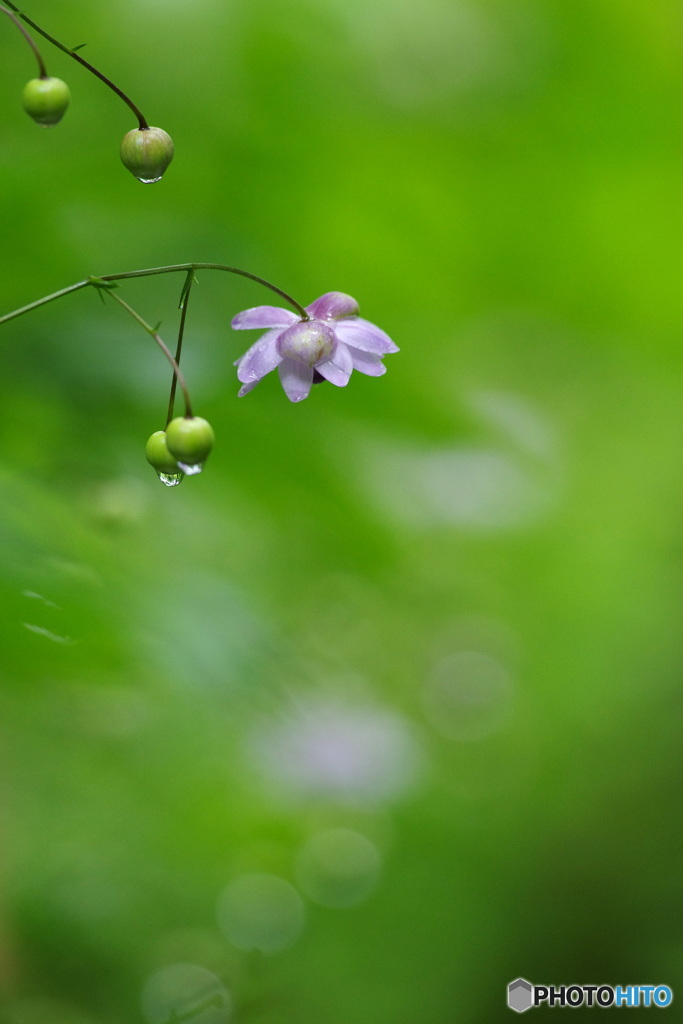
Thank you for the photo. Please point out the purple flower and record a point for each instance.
(329, 346)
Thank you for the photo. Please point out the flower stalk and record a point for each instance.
(108, 279)
(142, 121)
(184, 300)
(42, 70)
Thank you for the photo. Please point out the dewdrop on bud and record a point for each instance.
(190, 440)
(159, 457)
(46, 99)
(147, 152)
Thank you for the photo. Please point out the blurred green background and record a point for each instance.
(384, 709)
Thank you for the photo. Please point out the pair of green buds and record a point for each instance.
(146, 152)
(181, 450)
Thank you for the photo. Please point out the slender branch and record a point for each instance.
(162, 345)
(186, 267)
(41, 63)
(98, 282)
(184, 300)
(142, 121)
(44, 301)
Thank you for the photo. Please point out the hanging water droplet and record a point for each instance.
(171, 479)
(147, 152)
(191, 470)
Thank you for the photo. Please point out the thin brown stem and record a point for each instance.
(41, 63)
(142, 121)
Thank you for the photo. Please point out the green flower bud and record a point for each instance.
(147, 152)
(159, 457)
(190, 440)
(46, 99)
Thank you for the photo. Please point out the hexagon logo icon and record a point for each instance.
(520, 995)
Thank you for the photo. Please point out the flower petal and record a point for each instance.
(363, 335)
(261, 358)
(332, 305)
(246, 388)
(338, 368)
(259, 317)
(296, 379)
(367, 362)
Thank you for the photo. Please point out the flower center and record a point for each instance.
(309, 342)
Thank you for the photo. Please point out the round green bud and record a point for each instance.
(189, 440)
(46, 99)
(147, 152)
(158, 455)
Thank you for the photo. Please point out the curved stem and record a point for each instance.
(186, 267)
(93, 70)
(99, 282)
(164, 348)
(184, 299)
(41, 63)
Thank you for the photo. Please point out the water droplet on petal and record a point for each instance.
(191, 470)
(171, 479)
(149, 181)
